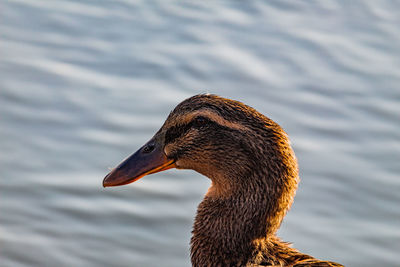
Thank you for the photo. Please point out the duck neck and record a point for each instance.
(226, 229)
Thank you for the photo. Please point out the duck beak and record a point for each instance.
(147, 160)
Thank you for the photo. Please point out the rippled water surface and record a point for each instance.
(84, 83)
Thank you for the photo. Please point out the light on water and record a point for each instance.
(83, 85)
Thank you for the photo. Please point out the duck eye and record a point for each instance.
(200, 121)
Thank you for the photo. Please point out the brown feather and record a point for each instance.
(254, 177)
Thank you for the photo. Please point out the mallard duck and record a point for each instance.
(253, 172)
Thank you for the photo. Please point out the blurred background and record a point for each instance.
(85, 83)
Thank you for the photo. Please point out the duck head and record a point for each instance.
(238, 148)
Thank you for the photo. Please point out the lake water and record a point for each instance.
(85, 83)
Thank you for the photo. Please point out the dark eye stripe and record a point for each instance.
(175, 132)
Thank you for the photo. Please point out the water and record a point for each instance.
(85, 83)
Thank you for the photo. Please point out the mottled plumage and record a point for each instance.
(253, 172)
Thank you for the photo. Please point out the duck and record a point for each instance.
(254, 176)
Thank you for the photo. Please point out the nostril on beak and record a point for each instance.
(148, 148)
